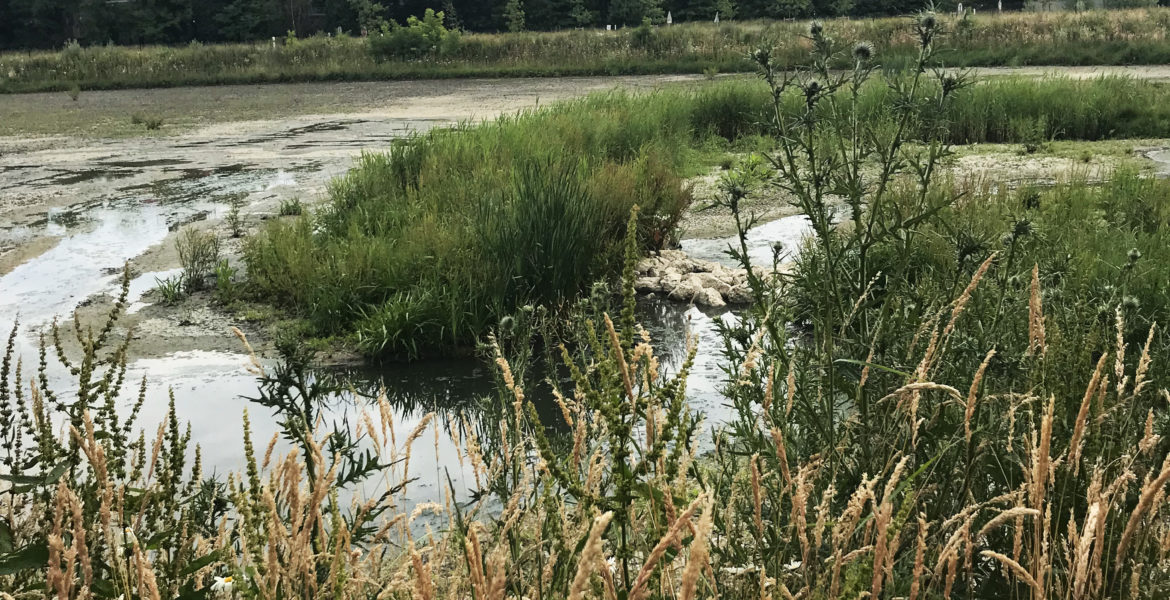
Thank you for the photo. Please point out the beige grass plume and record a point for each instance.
(591, 556)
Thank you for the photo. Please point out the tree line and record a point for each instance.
(28, 24)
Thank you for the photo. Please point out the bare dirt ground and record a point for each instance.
(108, 113)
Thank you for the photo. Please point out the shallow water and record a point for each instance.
(128, 204)
(778, 240)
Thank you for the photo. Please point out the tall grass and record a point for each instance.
(421, 249)
(1013, 39)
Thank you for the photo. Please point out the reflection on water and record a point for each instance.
(211, 390)
(462, 392)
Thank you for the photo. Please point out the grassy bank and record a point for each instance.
(423, 249)
(1087, 38)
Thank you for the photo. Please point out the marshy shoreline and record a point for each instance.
(54, 183)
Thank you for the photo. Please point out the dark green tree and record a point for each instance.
(451, 16)
(631, 12)
(580, 15)
(243, 20)
(775, 9)
(370, 15)
(831, 8)
(164, 21)
(705, 10)
(514, 15)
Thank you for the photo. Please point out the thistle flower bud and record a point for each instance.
(816, 28)
(761, 56)
(1134, 255)
(949, 84)
(927, 20)
(863, 51)
(811, 91)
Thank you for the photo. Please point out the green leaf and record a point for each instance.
(873, 365)
(201, 562)
(104, 589)
(34, 480)
(7, 539)
(31, 557)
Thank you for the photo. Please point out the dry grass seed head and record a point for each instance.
(1017, 571)
(700, 553)
(1074, 447)
(591, 556)
(1145, 503)
(668, 540)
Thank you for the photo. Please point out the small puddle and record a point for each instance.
(55, 282)
(141, 285)
(282, 179)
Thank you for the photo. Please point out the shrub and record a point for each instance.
(234, 220)
(151, 123)
(419, 38)
(198, 256)
(643, 35)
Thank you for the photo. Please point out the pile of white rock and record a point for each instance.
(685, 279)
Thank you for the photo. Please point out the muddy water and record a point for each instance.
(70, 218)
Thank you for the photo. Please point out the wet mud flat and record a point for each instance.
(60, 192)
(74, 210)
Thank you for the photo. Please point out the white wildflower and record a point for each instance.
(124, 536)
(222, 585)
